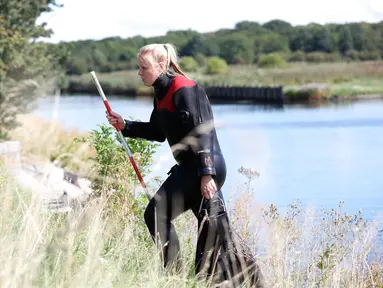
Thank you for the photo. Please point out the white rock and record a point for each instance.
(60, 190)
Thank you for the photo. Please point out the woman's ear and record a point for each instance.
(162, 66)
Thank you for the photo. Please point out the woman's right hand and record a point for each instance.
(114, 118)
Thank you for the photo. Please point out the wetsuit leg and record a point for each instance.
(208, 214)
(211, 214)
(220, 255)
(174, 197)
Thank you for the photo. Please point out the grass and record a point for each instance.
(49, 141)
(81, 249)
(91, 247)
(343, 78)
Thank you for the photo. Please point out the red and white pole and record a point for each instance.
(122, 138)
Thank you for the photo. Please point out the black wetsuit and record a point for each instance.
(182, 115)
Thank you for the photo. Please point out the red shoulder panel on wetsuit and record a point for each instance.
(177, 83)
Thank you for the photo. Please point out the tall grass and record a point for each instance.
(42, 140)
(89, 248)
(92, 247)
(80, 249)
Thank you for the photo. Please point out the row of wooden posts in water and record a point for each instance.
(246, 93)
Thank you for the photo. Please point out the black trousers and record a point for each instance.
(179, 193)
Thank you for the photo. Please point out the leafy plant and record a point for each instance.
(272, 60)
(114, 176)
(216, 65)
(189, 64)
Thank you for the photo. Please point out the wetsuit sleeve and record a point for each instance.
(196, 115)
(144, 130)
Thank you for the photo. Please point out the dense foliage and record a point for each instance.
(246, 43)
(28, 67)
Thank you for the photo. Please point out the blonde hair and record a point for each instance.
(157, 53)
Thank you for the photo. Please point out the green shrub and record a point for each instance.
(334, 57)
(315, 57)
(272, 60)
(320, 57)
(188, 64)
(114, 174)
(201, 59)
(297, 56)
(352, 55)
(216, 65)
(369, 55)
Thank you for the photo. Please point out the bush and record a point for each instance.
(320, 57)
(201, 59)
(188, 64)
(297, 56)
(216, 65)
(272, 60)
(352, 55)
(315, 57)
(114, 174)
(369, 55)
(334, 57)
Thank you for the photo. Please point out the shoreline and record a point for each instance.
(294, 98)
(299, 82)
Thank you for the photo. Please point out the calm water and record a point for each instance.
(317, 155)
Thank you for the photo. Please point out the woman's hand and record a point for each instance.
(114, 118)
(208, 186)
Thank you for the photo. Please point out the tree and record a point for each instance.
(211, 47)
(278, 26)
(27, 66)
(345, 40)
(237, 49)
(271, 42)
(249, 26)
(357, 33)
(243, 44)
(300, 39)
(193, 47)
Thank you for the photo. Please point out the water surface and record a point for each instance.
(319, 155)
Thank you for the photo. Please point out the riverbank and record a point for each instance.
(299, 247)
(301, 82)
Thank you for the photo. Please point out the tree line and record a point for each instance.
(246, 43)
(30, 67)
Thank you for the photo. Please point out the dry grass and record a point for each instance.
(42, 140)
(300, 247)
(89, 249)
(80, 249)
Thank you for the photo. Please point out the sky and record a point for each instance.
(96, 19)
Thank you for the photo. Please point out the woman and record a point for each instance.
(182, 115)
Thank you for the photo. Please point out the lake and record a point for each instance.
(319, 155)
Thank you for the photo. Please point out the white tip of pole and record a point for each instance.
(98, 85)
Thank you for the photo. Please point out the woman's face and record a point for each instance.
(148, 72)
